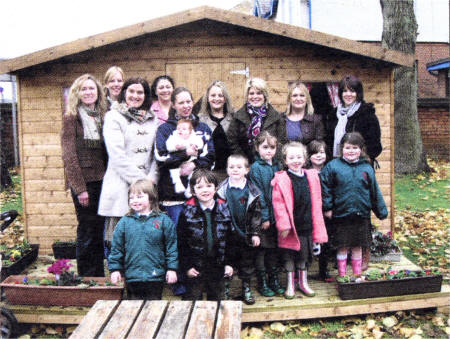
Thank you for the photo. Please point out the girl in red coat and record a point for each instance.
(297, 206)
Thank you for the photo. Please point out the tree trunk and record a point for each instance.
(400, 33)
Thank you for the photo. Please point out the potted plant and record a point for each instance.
(384, 248)
(377, 283)
(17, 257)
(64, 288)
(65, 249)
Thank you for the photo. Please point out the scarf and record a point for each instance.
(257, 116)
(92, 127)
(138, 115)
(342, 113)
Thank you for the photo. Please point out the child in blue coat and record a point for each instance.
(144, 246)
(350, 192)
(261, 174)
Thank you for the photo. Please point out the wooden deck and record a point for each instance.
(325, 304)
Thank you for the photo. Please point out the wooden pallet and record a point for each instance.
(325, 304)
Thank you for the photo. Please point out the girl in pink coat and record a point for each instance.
(297, 206)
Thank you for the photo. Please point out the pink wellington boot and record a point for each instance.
(303, 284)
(356, 266)
(290, 287)
(342, 267)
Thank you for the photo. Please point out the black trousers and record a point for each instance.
(243, 258)
(145, 290)
(210, 280)
(90, 233)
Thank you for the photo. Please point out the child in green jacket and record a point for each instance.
(144, 246)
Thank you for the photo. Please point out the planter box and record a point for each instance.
(394, 256)
(18, 266)
(19, 294)
(389, 288)
(65, 250)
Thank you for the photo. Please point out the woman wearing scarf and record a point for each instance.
(84, 158)
(255, 116)
(129, 131)
(353, 114)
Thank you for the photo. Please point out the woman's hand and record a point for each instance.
(284, 234)
(256, 241)
(171, 277)
(187, 168)
(228, 271)
(192, 150)
(116, 277)
(192, 273)
(83, 199)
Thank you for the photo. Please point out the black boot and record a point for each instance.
(263, 288)
(247, 295)
(274, 283)
(323, 268)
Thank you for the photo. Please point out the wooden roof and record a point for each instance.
(206, 13)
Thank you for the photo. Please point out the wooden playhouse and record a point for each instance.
(194, 47)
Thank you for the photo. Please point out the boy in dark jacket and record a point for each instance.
(243, 201)
(204, 231)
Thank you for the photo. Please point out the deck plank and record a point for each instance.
(175, 322)
(149, 319)
(202, 321)
(122, 320)
(94, 321)
(229, 320)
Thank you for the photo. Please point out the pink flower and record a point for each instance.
(59, 267)
(392, 272)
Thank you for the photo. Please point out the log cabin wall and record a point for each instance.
(194, 54)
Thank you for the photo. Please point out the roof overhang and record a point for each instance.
(438, 64)
(211, 13)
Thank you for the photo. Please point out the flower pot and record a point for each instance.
(21, 294)
(389, 288)
(393, 256)
(21, 264)
(64, 250)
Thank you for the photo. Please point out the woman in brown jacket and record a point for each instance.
(255, 116)
(84, 157)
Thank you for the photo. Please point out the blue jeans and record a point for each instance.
(174, 212)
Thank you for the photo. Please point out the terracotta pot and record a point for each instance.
(389, 288)
(18, 293)
(21, 264)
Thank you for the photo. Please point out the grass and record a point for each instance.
(11, 198)
(421, 192)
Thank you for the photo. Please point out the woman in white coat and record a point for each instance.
(129, 131)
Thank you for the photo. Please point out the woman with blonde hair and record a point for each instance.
(113, 82)
(217, 112)
(84, 157)
(255, 116)
(302, 124)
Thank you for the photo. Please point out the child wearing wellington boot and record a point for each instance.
(350, 193)
(297, 206)
(261, 174)
(242, 198)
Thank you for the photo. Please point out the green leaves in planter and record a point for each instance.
(383, 244)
